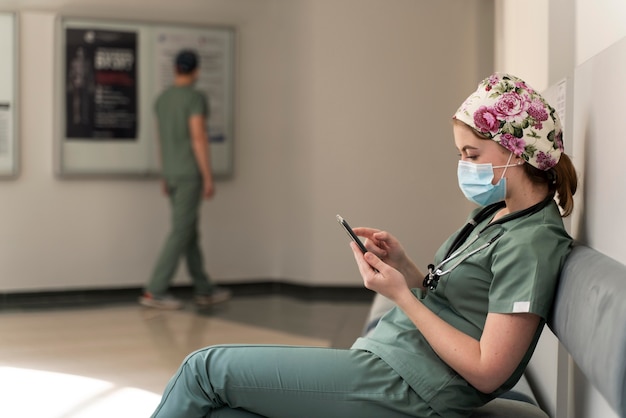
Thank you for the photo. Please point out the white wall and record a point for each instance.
(343, 106)
(547, 40)
(520, 41)
(377, 134)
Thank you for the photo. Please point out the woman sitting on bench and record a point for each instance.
(460, 335)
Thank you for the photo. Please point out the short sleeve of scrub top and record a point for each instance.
(198, 104)
(525, 271)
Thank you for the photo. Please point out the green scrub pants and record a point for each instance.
(185, 198)
(248, 381)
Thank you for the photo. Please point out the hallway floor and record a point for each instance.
(113, 360)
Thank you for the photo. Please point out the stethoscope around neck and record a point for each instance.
(461, 243)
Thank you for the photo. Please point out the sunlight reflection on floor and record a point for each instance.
(34, 393)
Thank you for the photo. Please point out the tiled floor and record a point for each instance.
(113, 360)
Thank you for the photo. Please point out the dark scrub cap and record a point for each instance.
(509, 111)
(186, 61)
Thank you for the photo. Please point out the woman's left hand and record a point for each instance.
(379, 276)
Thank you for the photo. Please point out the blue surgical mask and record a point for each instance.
(475, 182)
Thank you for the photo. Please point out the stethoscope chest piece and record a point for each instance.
(431, 280)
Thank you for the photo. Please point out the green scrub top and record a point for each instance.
(517, 273)
(173, 109)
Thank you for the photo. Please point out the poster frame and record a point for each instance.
(108, 158)
(10, 168)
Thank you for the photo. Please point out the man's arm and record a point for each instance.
(164, 188)
(201, 150)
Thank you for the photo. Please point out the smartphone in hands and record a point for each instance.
(351, 233)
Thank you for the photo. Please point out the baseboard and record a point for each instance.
(91, 297)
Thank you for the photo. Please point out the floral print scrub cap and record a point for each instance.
(509, 111)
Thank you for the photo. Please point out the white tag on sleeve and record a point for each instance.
(521, 307)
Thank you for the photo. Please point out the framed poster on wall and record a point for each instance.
(109, 75)
(8, 96)
(100, 84)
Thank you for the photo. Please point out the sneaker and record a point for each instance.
(218, 295)
(160, 302)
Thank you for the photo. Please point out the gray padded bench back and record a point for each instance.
(589, 318)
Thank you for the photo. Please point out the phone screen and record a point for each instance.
(351, 233)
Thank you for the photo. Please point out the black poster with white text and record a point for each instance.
(101, 84)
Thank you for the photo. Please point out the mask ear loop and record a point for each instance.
(505, 166)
